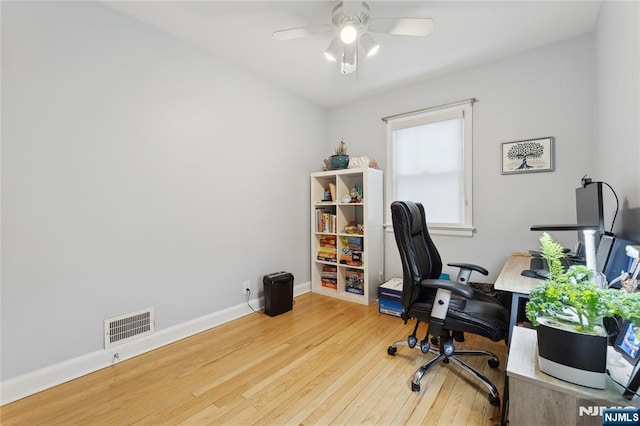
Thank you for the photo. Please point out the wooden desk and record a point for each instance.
(535, 398)
(510, 280)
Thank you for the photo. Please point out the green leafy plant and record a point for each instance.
(571, 296)
(341, 149)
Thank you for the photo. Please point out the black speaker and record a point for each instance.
(278, 293)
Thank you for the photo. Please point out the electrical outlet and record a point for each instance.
(246, 287)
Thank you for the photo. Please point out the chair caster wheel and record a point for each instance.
(434, 341)
(391, 350)
(493, 363)
(424, 347)
(494, 400)
(411, 341)
(414, 387)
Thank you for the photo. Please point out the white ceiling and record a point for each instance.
(466, 33)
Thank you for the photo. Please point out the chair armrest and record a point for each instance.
(454, 287)
(440, 307)
(465, 271)
(469, 266)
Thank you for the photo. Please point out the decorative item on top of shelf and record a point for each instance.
(354, 228)
(340, 160)
(359, 162)
(374, 164)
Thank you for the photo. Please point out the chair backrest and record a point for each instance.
(419, 256)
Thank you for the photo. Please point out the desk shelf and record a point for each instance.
(536, 398)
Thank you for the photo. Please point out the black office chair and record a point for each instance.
(450, 308)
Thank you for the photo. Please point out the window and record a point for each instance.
(429, 161)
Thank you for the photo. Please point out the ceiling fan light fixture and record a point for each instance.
(350, 52)
(352, 26)
(349, 61)
(369, 45)
(348, 33)
(334, 50)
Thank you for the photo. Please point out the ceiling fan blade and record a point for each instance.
(402, 26)
(294, 33)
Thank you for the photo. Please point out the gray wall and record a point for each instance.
(137, 171)
(617, 70)
(544, 92)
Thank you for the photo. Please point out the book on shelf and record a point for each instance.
(352, 243)
(327, 251)
(329, 272)
(355, 243)
(351, 257)
(329, 283)
(355, 274)
(326, 256)
(354, 281)
(325, 221)
(332, 191)
(327, 245)
(355, 289)
(328, 241)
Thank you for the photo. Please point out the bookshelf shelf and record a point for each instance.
(347, 237)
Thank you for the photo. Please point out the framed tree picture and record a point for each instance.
(527, 156)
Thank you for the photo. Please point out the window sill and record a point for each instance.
(454, 231)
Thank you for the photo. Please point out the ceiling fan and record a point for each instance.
(352, 27)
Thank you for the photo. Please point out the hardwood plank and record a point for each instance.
(324, 362)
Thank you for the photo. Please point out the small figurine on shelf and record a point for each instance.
(356, 194)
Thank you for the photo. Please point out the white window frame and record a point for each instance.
(462, 109)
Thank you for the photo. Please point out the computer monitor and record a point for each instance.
(589, 205)
(628, 342)
(613, 257)
(590, 210)
(603, 252)
(626, 372)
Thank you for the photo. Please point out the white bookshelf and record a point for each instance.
(358, 262)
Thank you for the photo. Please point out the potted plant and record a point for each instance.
(567, 310)
(340, 160)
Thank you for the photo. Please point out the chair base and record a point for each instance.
(448, 353)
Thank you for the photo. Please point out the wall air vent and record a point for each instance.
(128, 327)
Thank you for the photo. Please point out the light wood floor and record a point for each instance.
(324, 362)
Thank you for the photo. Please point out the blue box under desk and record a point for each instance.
(389, 296)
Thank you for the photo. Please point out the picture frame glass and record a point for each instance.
(527, 156)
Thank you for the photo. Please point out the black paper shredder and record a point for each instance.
(278, 293)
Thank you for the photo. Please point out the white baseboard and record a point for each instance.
(45, 378)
